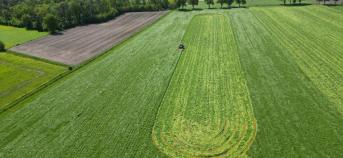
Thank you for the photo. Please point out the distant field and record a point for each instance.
(274, 2)
(19, 76)
(77, 45)
(206, 111)
(252, 3)
(12, 36)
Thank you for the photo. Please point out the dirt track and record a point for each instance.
(82, 43)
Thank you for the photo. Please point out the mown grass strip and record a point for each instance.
(295, 118)
(206, 111)
(316, 50)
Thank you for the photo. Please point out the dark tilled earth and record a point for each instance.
(80, 44)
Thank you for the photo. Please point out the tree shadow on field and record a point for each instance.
(57, 33)
(189, 10)
(296, 5)
(235, 7)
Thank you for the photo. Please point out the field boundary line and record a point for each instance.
(165, 91)
(251, 141)
(36, 58)
(162, 99)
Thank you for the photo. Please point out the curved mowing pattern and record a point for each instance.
(206, 111)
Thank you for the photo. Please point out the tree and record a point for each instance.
(27, 21)
(2, 46)
(70, 13)
(209, 2)
(229, 3)
(239, 2)
(335, 1)
(284, 2)
(244, 2)
(181, 3)
(193, 3)
(50, 23)
(221, 2)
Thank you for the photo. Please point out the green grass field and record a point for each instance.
(19, 75)
(297, 112)
(83, 116)
(257, 82)
(12, 36)
(338, 7)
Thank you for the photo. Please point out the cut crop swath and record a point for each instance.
(206, 111)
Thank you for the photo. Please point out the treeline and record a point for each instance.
(51, 15)
(183, 3)
(328, 2)
(298, 2)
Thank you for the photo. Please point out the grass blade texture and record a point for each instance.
(20, 75)
(105, 109)
(295, 117)
(206, 111)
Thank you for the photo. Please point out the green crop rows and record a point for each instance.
(106, 108)
(296, 113)
(255, 82)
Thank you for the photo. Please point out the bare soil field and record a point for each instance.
(80, 44)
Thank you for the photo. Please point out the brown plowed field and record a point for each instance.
(82, 43)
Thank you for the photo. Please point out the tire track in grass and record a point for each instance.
(206, 111)
(295, 118)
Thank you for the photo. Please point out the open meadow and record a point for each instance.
(251, 82)
(12, 36)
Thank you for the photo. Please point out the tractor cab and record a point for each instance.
(182, 46)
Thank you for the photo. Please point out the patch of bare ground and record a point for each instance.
(79, 44)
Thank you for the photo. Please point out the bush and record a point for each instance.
(2, 47)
